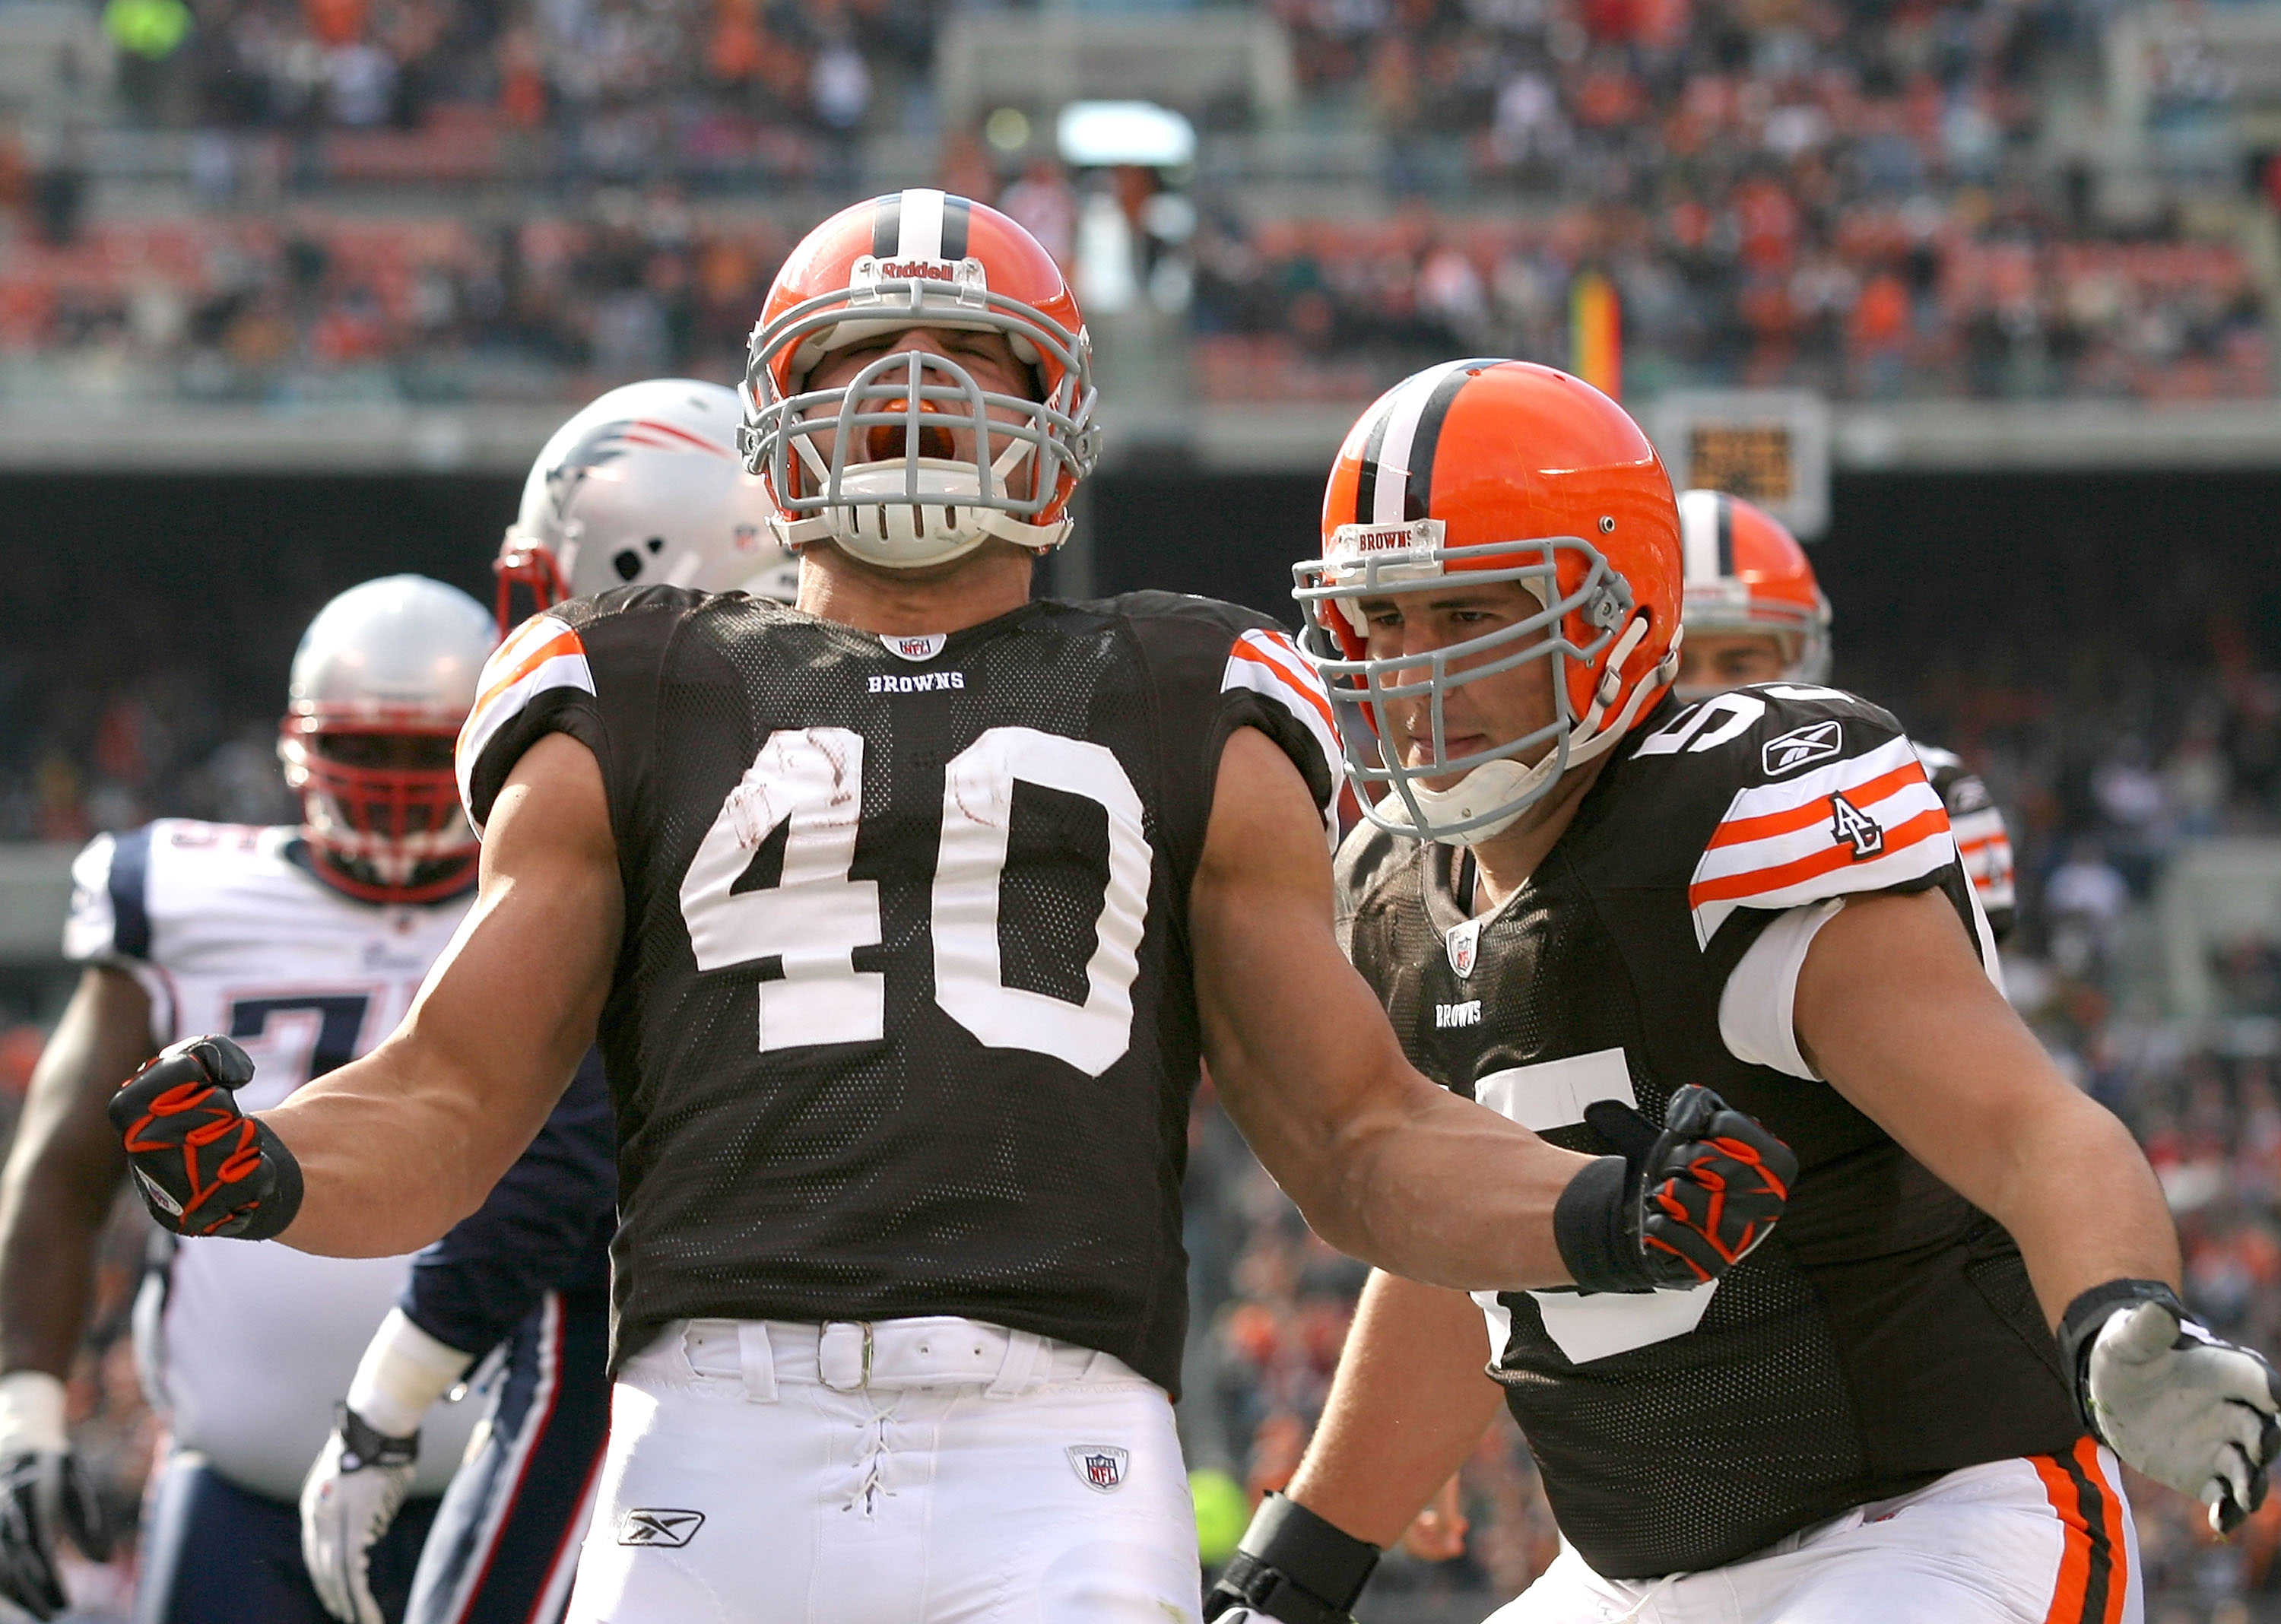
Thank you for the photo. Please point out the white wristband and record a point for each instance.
(32, 1413)
(404, 1371)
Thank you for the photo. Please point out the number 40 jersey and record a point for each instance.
(903, 1021)
(247, 1346)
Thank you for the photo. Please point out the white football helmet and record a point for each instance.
(646, 486)
(383, 678)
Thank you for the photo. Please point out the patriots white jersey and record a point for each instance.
(248, 1345)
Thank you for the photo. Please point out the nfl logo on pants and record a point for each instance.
(1100, 1465)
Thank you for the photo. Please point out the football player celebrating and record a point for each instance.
(904, 916)
(1567, 899)
(1755, 613)
(645, 481)
(307, 946)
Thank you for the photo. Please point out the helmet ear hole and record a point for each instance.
(627, 562)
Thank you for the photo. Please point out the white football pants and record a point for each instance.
(2043, 1540)
(933, 1471)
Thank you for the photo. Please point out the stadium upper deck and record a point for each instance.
(408, 201)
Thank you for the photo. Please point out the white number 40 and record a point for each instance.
(815, 917)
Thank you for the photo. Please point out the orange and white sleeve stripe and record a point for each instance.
(541, 653)
(1854, 825)
(1268, 663)
(1985, 848)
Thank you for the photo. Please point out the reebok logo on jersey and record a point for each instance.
(1100, 1465)
(1801, 746)
(1466, 1014)
(1462, 943)
(925, 682)
(1848, 822)
(660, 1525)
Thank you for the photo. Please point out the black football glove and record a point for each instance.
(40, 1495)
(2184, 1407)
(1681, 1205)
(203, 1166)
(45, 1493)
(1294, 1566)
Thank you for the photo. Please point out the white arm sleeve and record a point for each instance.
(403, 1372)
(1755, 1009)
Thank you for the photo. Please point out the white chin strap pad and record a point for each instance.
(888, 519)
(1492, 783)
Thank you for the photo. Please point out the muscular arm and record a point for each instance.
(1410, 1401)
(1893, 1007)
(64, 1170)
(1386, 1166)
(398, 1146)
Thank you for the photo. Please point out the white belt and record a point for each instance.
(849, 1355)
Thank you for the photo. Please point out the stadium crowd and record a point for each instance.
(1854, 198)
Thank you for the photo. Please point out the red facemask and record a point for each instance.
(384, 833)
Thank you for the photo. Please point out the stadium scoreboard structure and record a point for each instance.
(1769, 446)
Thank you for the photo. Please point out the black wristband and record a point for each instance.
(1293, 1566)
(2079, 1329)
(363, 1445)
(1589, 1226)
(281, 1202)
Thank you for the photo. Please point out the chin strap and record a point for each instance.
(1510, 783)
(904, 518)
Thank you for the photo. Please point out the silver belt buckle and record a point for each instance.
(834, 1354)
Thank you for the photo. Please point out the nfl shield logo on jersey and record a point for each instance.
(1100, 1465)
(1463, 942)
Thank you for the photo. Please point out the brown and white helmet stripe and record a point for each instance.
(1394, 481)
(920, 223)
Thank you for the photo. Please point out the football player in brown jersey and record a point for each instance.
(903, 917)
(1907, 1403)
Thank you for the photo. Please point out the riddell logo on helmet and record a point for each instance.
(909, 270)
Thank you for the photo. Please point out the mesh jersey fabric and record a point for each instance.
(1886, 1333)
(878, 1158)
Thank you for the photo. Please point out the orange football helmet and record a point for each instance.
(1746, 574)
(1514, 472)
(919, 259)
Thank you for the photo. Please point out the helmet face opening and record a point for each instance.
(380, 685)
(380, 804)
(913, 462)
(1490, 470)
(875, 460)
(1594, 604)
